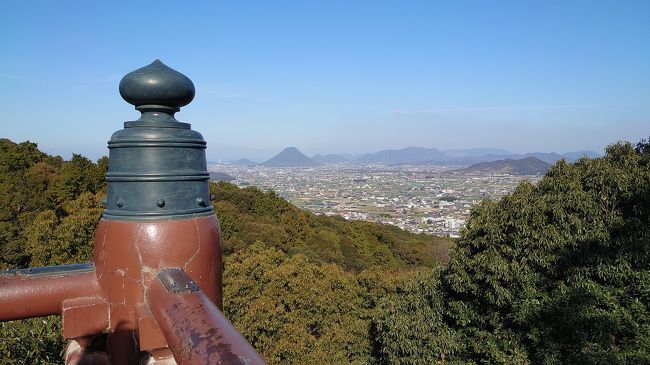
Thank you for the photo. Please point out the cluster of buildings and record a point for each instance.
(421, 199)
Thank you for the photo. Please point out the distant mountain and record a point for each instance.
(459, 161)
(220, 176)
(548, 157)
(526, 166)
(410, 155)
(330, 159)
(290, 157)
(243, 162)
(352, 156)
(475, 152)
(574, 156)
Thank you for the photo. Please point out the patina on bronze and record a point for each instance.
(153, 291)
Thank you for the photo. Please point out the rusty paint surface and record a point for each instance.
(43, 295)
(195, 329)
(128, 256)
(83, 317)
(149, 334)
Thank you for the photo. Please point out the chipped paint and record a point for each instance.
(195, 329)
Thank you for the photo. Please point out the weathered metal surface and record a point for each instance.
(195, 329)
(157, 85)
(129, 255)
(84, 317)
(157, 167)
(26, 296)
(157, 217)
(150, 338)
(176, 281)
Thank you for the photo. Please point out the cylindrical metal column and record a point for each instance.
(158, 212)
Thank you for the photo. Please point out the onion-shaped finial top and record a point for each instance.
(157, 85)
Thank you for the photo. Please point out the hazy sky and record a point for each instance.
(334, 76)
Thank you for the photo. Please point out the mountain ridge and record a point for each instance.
(290, 157)
(408, 155)
(330, 159)
(526, 166)
(243, 162)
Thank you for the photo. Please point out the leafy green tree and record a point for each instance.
(19, 198)
(557, 273)
(294, 311)
(409, 326)
(36, 341)
(77, 176)
(323, 245)
(56, 240)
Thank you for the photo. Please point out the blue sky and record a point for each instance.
(335, 76)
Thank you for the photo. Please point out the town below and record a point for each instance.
(421, 199)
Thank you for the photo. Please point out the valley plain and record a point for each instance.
(421, 199)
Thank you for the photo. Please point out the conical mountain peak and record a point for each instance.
(290, 157)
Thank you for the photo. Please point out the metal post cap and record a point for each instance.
(156, 164)
(157, 85)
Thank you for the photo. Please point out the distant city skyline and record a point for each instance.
(337, 76)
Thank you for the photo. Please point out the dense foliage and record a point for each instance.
(295, 311)
(48, 212)
(554, 273)
(46, 202)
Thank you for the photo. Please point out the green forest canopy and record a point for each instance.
(554, 273)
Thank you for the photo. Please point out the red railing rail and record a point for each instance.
(195, 330)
